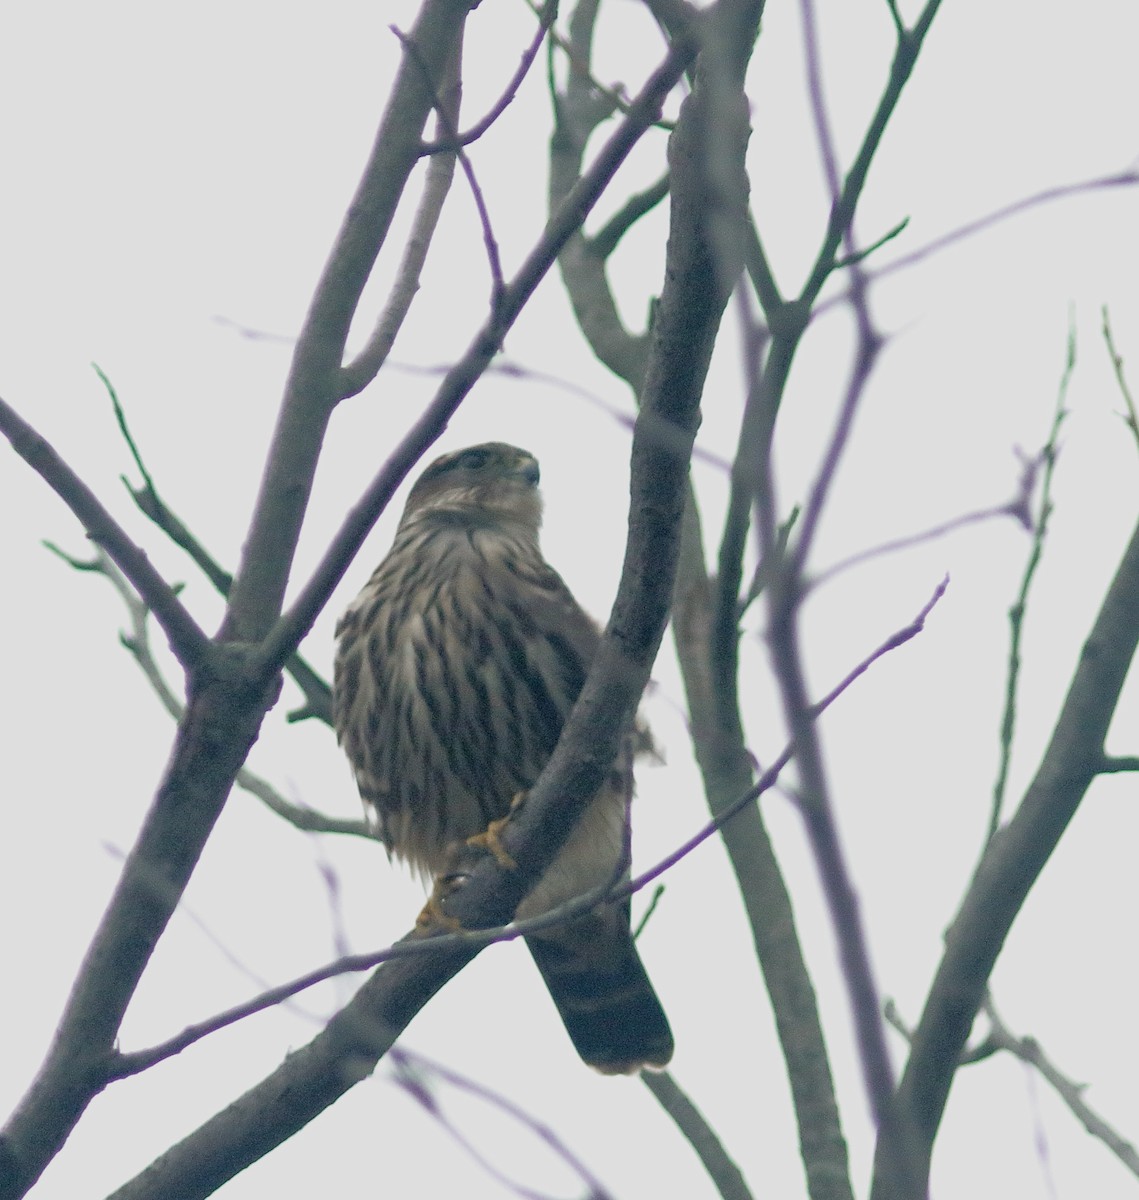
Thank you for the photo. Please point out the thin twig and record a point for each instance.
(896, 17)
(861, 255)
(190, 645)
(1020, 606)
(613, 94)
(408, 1070)
(317, 693)
(356, 375)
(1017, 508)
(1128, 178)
(823, 139)
(447, 144)
(983, 1050)
(654, 900)
(448, 124)
(1029, 1050)
(906, 52)
(1131, 420)
(137, 643)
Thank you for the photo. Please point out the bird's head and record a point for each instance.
(493, 483)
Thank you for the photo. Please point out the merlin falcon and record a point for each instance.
(456, 668)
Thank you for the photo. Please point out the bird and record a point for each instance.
(456, 667)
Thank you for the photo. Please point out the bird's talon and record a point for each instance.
(432, 917)
(489, 839)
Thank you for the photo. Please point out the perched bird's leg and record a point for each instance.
(489, 839)
(432, 918)
(460, 858)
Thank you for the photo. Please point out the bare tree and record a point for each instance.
(693, 110)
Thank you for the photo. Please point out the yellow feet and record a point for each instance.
(432, 918)
(489, 839)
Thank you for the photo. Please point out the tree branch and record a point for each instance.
(607, 238)
(356, 375)
(717, 735)
(190, 645)
(1020, 605)
(314, 386)
(317, 693)
(137, 644)
(1131, 419)
(1030, 1051)
(448, 123)
(221, 723)
(1009, 868)
(450, 141)
(722, 1170)
(461, 377)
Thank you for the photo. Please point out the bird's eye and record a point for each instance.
(472, 460)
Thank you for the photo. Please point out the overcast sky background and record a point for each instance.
(172, 180)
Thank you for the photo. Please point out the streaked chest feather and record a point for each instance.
(453, 679)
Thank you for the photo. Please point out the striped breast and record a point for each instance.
(456, 667)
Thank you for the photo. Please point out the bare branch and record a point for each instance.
(722, 1170)
(861, 255)
(611, 97)
(356, 375)
(654, 900)
(1030, 1051)
(410, 1070)
(315, 386)
(1114, 764)
(1018, 508)
(317, 693)
(1011, 864)
(1020, 605)
(190, 645)
(899, 26)
(137, 642)
(447, 143)
(1132, 418)
(1128, 178)
(784, 595)
(293, 626)
(578, 112)
(606, 239)
(446, 120)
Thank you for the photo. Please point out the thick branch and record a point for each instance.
(221, 723)
(726, 768)
(722, 1170)
(1016, 855)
